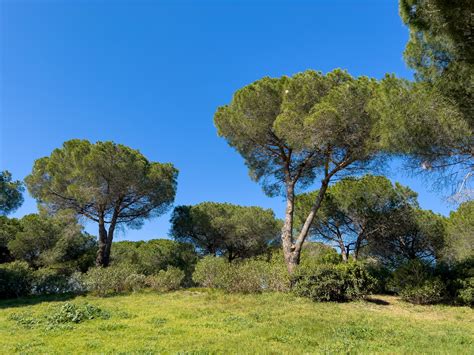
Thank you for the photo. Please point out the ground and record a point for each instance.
(203, 321)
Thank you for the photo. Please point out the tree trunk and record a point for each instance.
(287, 230)
(344, 252)
(102, 243)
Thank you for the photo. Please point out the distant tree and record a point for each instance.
(291, 130)
(9, 227)
(415, 235)
(10, 193)
(149, 257)
(225, 229)
(108, 183)
(460, 233)
(441, 51)
(355, 211)
(45, 241)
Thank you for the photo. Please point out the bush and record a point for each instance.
(412, 274)
(246, 276)
(114, 279)
(168, 280)
(211, 272)
(465, 292)
(135, 282)
(49, 281)
(431, 291)
(333, 282)
(16, 279)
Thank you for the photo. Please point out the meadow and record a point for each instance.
(210, 321)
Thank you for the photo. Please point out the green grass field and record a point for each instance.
(212, 322)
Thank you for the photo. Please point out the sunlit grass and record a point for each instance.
(208, 321)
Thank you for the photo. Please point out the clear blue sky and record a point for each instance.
(150, 74)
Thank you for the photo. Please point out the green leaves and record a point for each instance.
(98, 179)
(10, 193)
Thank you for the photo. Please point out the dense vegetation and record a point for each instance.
(318, 140)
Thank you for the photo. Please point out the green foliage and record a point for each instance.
(355, 211)
(110, 280)
(413, 234)
(166, 280)
(246, 276)
(149, 257)
(319, 253)
(333, 282)
(209, 271)
(11, 196)
(9, 227)
(52, 241)
(460, 233)
(105, 182)
(429, 292)
(73, 313)
(50, 281)
(304, 114)
(466, 292)
(60, 317)
(15, 279)
(225, 229)
(441, 47)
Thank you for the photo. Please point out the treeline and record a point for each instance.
(323, 131)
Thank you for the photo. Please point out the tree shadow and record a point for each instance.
(33, 300)
(377, 301)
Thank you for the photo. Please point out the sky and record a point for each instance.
(150, 75)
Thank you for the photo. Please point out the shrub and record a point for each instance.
(15, 279)
(168, 280)
(49, 281)
(412, 274)
(333, 282)
(135, 282)
(211, 272)
(114, 279)
(246, 276)
(431, 291)
(72, 313)
(465, 293)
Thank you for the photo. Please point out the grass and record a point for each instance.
(203, 321)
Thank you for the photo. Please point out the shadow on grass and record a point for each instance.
(32, 300)
(377, 301)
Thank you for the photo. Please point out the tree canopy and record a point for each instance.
(11, 196)
(291, 130)
(355, 211)
(460, 233)
(108, 183)
(225, 229)
(441, 51)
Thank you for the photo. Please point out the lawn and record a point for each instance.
(208, 321)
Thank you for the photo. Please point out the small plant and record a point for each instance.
(61, 317)
(168, 280)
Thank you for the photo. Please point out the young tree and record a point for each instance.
(108, 183)
(290, 130)
(10, 193)
(225, 229)
(355, 211)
